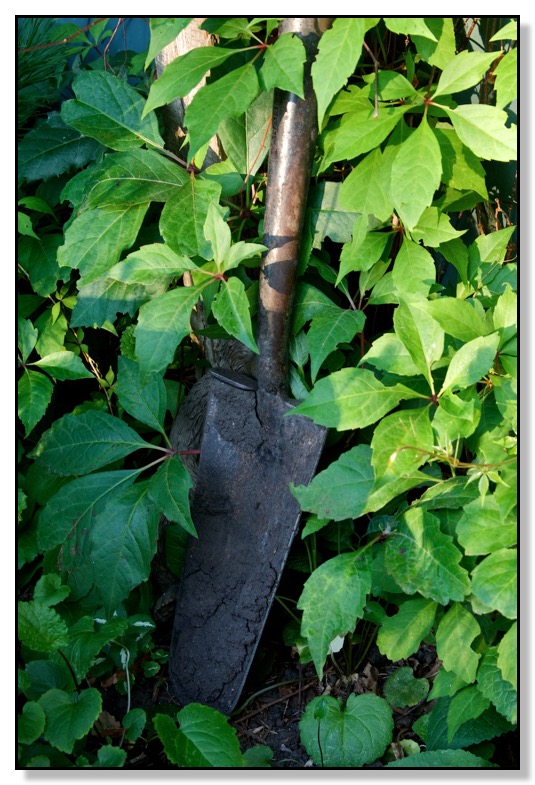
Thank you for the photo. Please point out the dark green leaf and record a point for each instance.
(203, 740)
(39, 627)
(104, 298)
(184, 215)
(39, 259)
(231, 309)
(169, 488)
(455, 634)
(246, 138)
(34, 394)
(468, 704)
(31, 723)
(145, 402)
(442, 759)
(69, 717)
(402, 689)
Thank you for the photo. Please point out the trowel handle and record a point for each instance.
(293, 139)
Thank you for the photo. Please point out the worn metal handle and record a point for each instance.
(290, 159)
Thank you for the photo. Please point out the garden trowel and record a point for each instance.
(245, 514)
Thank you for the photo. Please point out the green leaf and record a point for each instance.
(52, 148)
(414, 271)
(359, 132)
(389, 354)
(416, 174)
(339, 50)
(184, 215)
(488, 725)
(39, 627)
(505, 316)
(400, 440)
(465, 70)
(455, 634)
(110, 757)
(52, 332)
(483, 529)
(332, 600)
(203, 740)
(150, 262)
(162, 32)
(366, 191)
(229, 96)
(246, 138)
(64, 365)
(87, 638)
(440, 53)
(461, 169)
(400, 635)
(494, 582)
(326, 217)
(69, 717)
(482, 128)
(421, 335)
(184, 73)
(39, 259)
(422, 559)
(240, 251)
(145, 402)
(80, 444)
(506, 79)
(257, 757)
(492, 685)
(134, 723)
(31, 723)
(341, 490)
(96, 239)
(217, 233)
(471, 362)
(283, 65)
(169, 488)
(507, 655)
(163, 322)
(346, 736)
(402, 689)
(123, 543)
(101, 300)
(467, 705)
(49, 590)
(135, 177)
(434, 228)
(442, 759)
(108, 109)
(34, 393)
(27, 336)
(455, 417)
(231, 309)
(460, 318)
(409, 25)
(329, 328)
(348, 399)
(507, 32)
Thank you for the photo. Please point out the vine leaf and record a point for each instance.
(80, 444)
(146, 402)
(34, 393)
(284, 65)
(169, 488)
(123, 543)
(365, 190)
(184, 216)
(482, 128)
(109, 110)
(471, 362)
(461, 318)
(394, 437)
(422, 559)
(414, 271)
(400, 635)
(341, 490)
(346, 736)
(332, 600)
(328, 328)
(40, 628)
(421, 335)
(150, 262)
(69, 716)
(416, 173)
(63, 365)
(465, 70)
(359, 132)
(231, 309)
(494, 582)
(203, 740)
(162, 32)
(455, 634)
(339, 50)
(483, 528)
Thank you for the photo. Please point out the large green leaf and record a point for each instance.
(96, 238)
(494, 687)
(80, 444)
(506, 79)
(455, 634)
(483, 528)
(229, 96)
(461, 318)
(442, 759)
(123, 543)
(164, 30)
(482, 128)
(145, 402)
(339, 50)
(52, 148)
(184, 73)
(359, 132)
(461, 169)
(422, 336)
(400, 635)
(400, 442)
(440, 50)
(468, 704)
(329, 328)
(508, 655)
(104, 298)
(135, 177)
(69, 716)
(465, 70)
(422, 559)
(34, 393)
(326, 217)
(471, 362)
(39, 258)
(283, 65)
(409, 25)
(231, 309)
(332, 600)
(366, 189)
(63, 365)
(487, 726)
(163, 323)
(494, 582)
(346, 736)
(40, 628)
(169, 488)
(414, 271)
(108, 109)
(341, 490)
(68, 515)
(150, 263)
(416, 174)
(347, 399)
(434, 228)
(184, 215)
(246, 138)
(388, 353)
(31, 723)
(203, 740)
